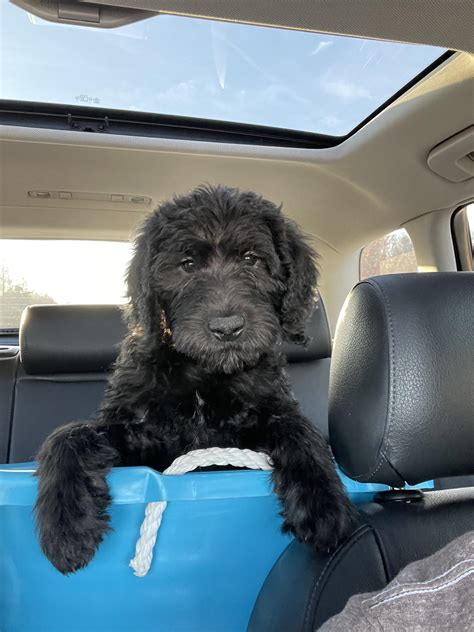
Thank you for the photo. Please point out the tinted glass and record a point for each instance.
(206, 69)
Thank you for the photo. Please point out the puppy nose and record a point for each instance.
(227, 327)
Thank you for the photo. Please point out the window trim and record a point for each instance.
(461, 236)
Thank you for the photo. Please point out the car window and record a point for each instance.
(34, 271)
(389, 254)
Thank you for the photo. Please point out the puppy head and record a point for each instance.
(223, 275)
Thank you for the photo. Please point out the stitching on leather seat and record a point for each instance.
(338, 552)
(392, 371)
(386, 562)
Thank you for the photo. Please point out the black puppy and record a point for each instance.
(218, 279)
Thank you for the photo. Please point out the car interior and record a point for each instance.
(358, 119)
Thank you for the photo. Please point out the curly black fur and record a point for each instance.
(214, 253)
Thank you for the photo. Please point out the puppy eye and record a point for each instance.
(250, 258)
(188, 264)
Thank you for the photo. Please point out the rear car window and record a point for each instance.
(389, 254)
(34, 271)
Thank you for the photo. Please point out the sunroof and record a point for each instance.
(201, 68)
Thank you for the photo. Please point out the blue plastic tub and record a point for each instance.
(219, 538)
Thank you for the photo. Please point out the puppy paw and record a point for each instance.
(317, 510)
(72, 522)
(67, 550)
(73, 496)
(323, 522)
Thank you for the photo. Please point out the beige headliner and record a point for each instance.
(374, 182)
(446, 23)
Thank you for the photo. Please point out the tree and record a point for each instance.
(391, 253)
(14, 297)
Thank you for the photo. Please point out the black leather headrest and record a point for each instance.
(401, 403)
(317, 330)
(70, 338)
(85, 338)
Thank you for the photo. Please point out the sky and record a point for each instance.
(204, 68)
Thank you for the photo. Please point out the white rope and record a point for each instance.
(196, 458)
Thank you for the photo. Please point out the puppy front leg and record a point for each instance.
(315, 506)
(71, 507)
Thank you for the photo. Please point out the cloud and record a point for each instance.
(242, 53)
(321, 46)
(182, 93)
(343, 89)
(219, 53)
(279, 93)
(330, 122)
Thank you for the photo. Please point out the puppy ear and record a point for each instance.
(300, 274)
(144, 310)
